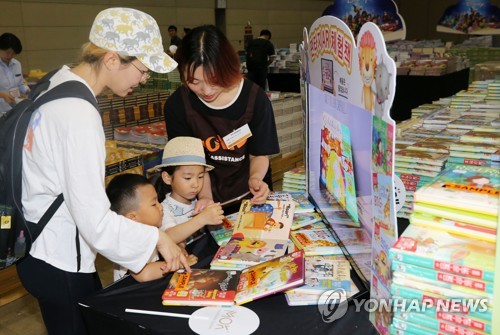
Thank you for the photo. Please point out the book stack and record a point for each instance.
(295, 180)
(322, 273)
(446, 256)
(415, 168)
(476, 148)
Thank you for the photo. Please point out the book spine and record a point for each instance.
(437, 302)
(444, 279)
(413, 329)
(442, 265)
(433, 323)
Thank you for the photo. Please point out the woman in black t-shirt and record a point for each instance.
(231, 115)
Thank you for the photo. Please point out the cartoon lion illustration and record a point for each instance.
(367, 62)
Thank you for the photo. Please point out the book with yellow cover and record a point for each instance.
(204, 287)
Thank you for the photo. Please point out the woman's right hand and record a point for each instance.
(172, 254)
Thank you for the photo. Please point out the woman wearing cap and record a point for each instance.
(214, 102)
(64, 152)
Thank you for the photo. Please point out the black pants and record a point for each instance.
(258, 76)
(58, 293)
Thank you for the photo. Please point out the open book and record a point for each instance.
(204, 287)
(260, 233)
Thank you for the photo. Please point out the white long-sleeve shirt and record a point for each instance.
(65, 152)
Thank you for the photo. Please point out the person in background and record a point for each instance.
(174, 39)
(64, 152)
(12, 86)
(259, 54)
(216, 101)
(182, 177)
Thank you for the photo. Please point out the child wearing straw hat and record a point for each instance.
(183, 172)
(135, 197)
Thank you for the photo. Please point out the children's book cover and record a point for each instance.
(467, 187)
(271, 277)
(223, 232)
(316, 242)
(301, 220)
(249, 251)
(204, 287)
(302, 203)
(325, 273)
(271, 220)
(337, 172)
(446, 252)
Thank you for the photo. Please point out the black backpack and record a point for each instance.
(16, 234)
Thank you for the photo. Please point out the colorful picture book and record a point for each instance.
(432, 158)
(316, 242)
(223, 232)
(301, 220)
(355, 240)
(466, 187)
(260, 233)
(439, 250)
(204, 287)
(336, 163)
(325, 273)
(302, 203)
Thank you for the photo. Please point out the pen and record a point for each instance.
(175, 315)
(227, 202)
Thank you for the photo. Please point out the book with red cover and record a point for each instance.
(204, 287)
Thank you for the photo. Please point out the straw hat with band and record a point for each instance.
(184, 150)
(132, 33)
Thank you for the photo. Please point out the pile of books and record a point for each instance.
(416, 168)
(295, 180)
(477, 148)
(445, 259)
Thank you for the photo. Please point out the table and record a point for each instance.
(104, 313)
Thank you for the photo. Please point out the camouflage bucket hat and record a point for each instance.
(133, 33)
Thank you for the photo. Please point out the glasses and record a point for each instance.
(145, 73)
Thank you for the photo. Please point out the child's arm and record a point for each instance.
(211, 215)
(150, 271)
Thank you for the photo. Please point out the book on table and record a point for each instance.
(316, 242)
(207, 287)
(260, 233)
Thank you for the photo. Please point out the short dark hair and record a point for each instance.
(208, 47)
(265, 32)
(187, 30)
(172, 27)
(10, 41)
(122, 191)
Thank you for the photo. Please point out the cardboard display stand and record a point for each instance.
(349, 85)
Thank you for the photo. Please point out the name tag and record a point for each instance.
(237, 136)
